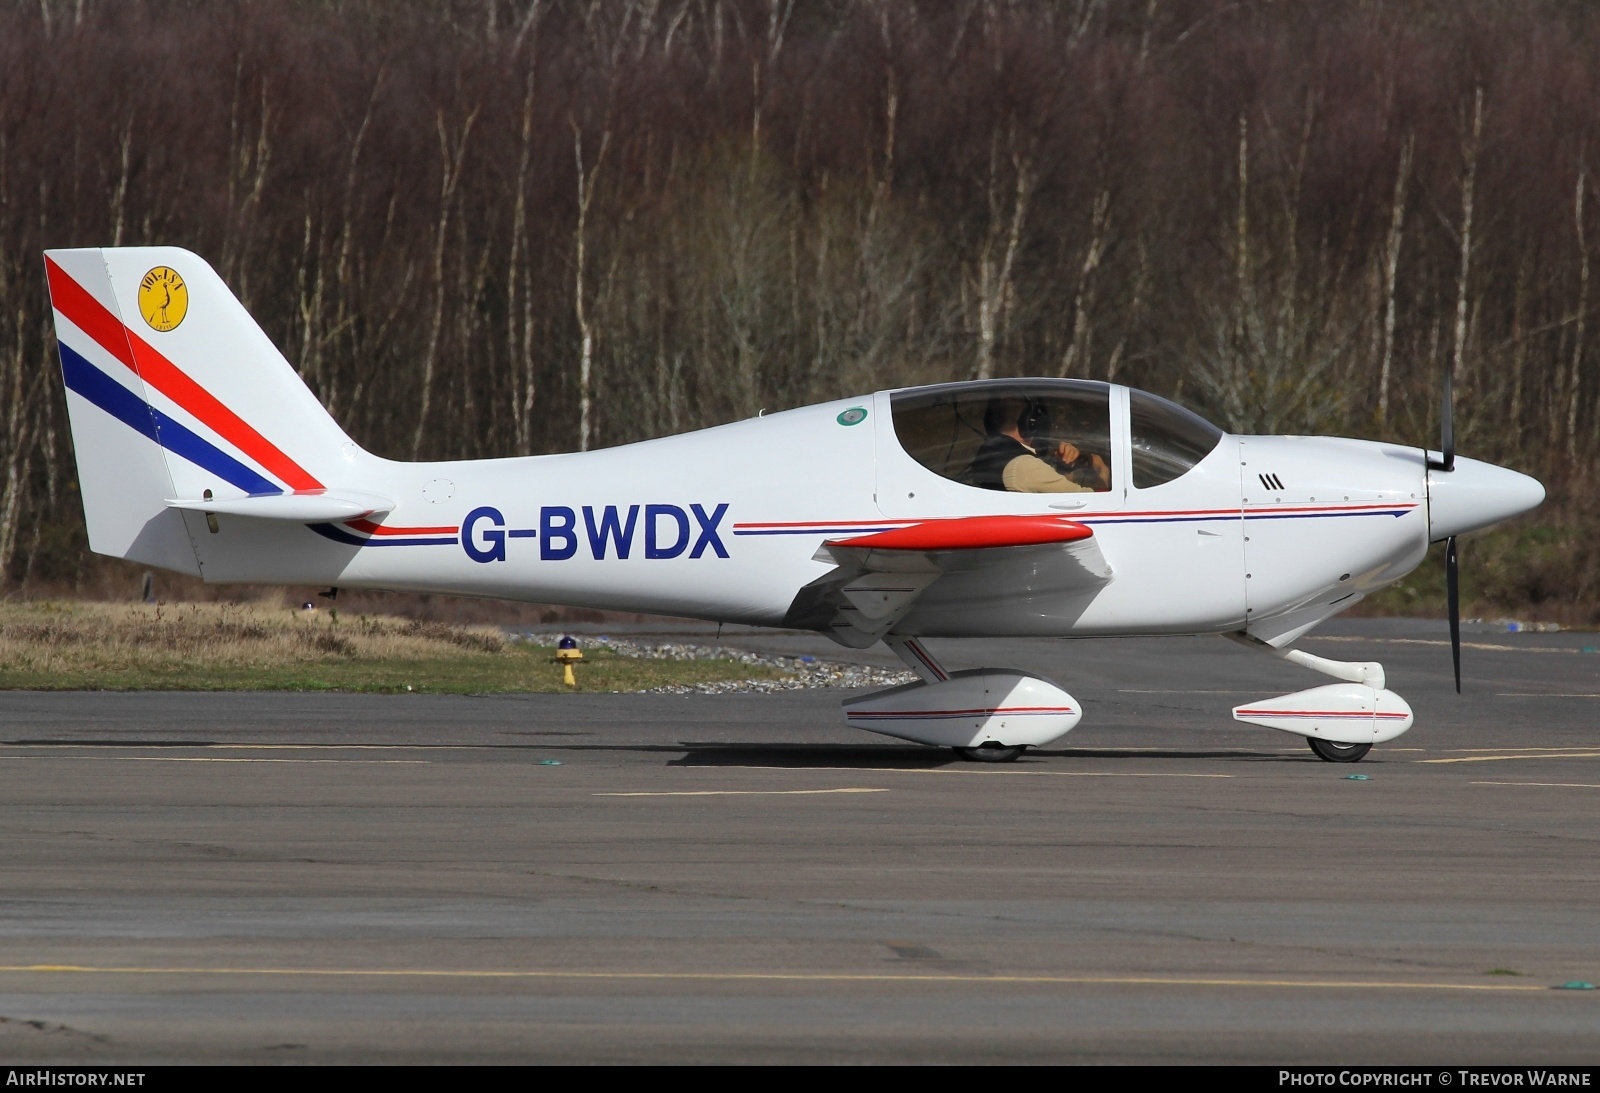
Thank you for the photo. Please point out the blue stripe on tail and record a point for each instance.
(128, 408)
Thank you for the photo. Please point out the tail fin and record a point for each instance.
(176, 396)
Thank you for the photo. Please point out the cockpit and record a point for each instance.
(1046, 436)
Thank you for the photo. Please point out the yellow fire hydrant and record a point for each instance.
(568, 654)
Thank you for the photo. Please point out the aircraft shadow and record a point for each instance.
(867, 756)
(918, 757)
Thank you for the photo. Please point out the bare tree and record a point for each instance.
(452, 154)
(1008, 207)
(587, 177)
(1391, 273)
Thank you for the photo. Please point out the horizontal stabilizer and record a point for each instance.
(1346, 713)
(303, 508)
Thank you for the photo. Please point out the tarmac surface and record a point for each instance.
(742, 878)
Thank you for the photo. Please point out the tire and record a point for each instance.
(992, 753)
(1330, 752)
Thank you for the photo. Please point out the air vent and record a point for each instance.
(1271, 482)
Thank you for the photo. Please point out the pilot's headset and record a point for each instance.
(1034, 421)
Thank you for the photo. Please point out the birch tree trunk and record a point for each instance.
(1391, 273)
(586, 184)
(452, 155)
(1468, 186)
(1575, 373)
(995, 270)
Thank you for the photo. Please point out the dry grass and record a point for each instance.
(223, 646)
(55, 637)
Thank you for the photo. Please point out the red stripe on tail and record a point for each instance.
(378, 529)
(116, 338)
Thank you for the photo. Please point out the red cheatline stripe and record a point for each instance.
(378, 529)
(1317, 713)
(972, 533)
(95, 320)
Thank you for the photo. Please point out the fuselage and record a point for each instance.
(1265, 534)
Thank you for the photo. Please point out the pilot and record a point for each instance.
(1010, 459)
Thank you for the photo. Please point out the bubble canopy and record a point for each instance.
(1167, 439)
(969, 432)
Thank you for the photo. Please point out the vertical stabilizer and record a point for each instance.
(176, 395)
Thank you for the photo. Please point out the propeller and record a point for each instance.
(1452, 569)
(1452, 586)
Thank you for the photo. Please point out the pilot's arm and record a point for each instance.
(1030, 474)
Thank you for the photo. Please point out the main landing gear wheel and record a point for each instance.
(1331, 752)
(992, 753)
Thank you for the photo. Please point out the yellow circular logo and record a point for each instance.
(163, 298)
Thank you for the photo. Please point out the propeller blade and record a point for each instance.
(1447, 424)
(1452, 584)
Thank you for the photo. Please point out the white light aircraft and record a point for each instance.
(1058, 508)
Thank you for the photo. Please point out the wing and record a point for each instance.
(879, 578)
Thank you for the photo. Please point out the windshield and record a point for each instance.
(1167, 439)
(1024, 436)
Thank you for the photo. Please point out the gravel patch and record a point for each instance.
(799, 672)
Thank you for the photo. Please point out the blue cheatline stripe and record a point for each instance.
(1335, 514)
(1321, 515)
(130, 409)
(339, 535)
(1111, 518)
(1096, 520)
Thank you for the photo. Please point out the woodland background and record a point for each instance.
(495, 227)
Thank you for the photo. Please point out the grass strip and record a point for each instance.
(59, 646)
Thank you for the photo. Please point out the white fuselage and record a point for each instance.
(723, 524)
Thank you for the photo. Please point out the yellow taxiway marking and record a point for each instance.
(1182, 691)
(1005, 773)
(739, 792)
(1444, 641)
(60, 745)
(335, 747)
(1546, 694)
(1070, 773)
(192, 759)
(351, 747)
(781, 977)
(1497, 751)
(1524, 755)
(1555, 785)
